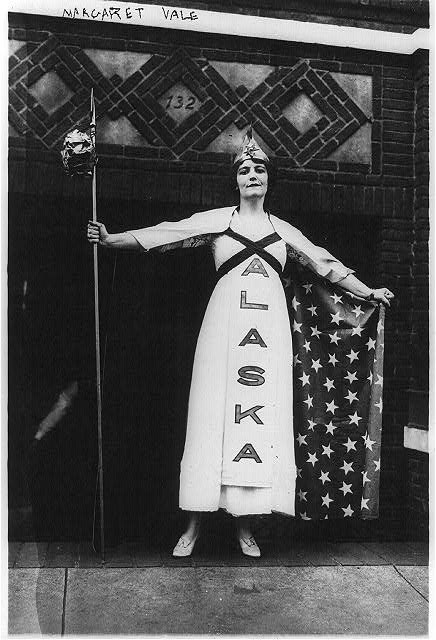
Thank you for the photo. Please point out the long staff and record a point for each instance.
(97, 337)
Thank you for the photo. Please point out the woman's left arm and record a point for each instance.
(355, 286)
(325, 265)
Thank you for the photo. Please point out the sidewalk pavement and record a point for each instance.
(344, 588)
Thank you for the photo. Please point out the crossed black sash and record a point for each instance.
(251, 248)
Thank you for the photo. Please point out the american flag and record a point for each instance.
(338, 388)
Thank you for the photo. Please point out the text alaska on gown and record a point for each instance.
(116, 13)
(251, 375)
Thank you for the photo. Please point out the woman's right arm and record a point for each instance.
(98, 234)
(165, 235)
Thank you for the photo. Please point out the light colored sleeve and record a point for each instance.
(186, 233)
(320, 261)
(308, 254)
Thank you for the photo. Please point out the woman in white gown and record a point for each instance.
(239, 449)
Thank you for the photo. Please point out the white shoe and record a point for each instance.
(249, 547)
(185, 546)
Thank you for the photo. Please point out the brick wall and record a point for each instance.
(420, 266)
(384, 182)
(418, 472)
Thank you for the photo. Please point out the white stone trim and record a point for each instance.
(229, 24)
(416, 439)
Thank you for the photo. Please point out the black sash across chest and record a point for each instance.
(251, 247)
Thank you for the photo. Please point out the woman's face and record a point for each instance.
(252, 179)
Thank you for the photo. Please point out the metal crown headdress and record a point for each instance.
(250, 150)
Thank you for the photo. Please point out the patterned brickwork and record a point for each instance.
(137, 98)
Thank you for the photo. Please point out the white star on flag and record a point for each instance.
(297, 360)
(336, 317)
(365, 478)
(299, 472)
(304, 516)
(370, 344)
(350, 444)
(312, 310)
(326, 500)
(346, 467)
(295, 303)
(357, 331)
(315, 332)
(331, 406)
(297, 326)
(348, 511)
(336, 299)
(354, 419)
(358, 311)
(351, 396)
(324, 477)
(333, 359)
(379, 380)
(302, 495)
(327, 451)
(330, 427)
(370, 377)
(312, 459)
(329, 384)
(377, 464)
(309, 401)
(346, 488)
(379, 405)
(305, 379)
(306, 346)
(351, 376)
(308, 286)
(353, 355)
(364, 503)
(334, 337)
(301, 439)
(312, 424)
(316, 365)
(369, 443)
